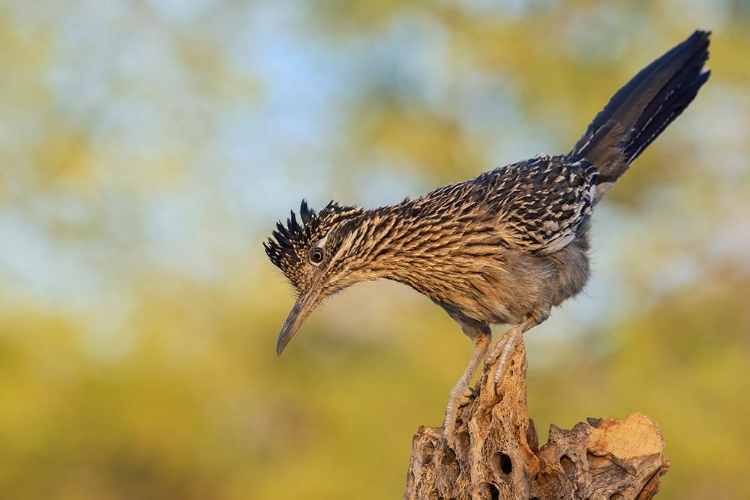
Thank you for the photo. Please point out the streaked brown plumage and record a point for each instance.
(504, 247)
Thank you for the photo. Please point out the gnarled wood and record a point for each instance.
(497, 454)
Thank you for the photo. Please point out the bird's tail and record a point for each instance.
(643, 108)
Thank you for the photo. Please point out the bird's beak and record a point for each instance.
(301, 310)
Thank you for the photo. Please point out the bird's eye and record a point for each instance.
(316, 255)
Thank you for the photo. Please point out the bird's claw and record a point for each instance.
(468, 396)
(449, 445)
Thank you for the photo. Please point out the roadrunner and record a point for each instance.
(502, 248)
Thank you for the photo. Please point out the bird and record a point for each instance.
(502, 248)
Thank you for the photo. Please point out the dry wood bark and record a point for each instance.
(497, 454)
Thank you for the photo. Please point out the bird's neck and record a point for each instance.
(405, 243)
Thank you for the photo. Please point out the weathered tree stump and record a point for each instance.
(497, 452)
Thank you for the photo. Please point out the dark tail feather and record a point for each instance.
(643, 108)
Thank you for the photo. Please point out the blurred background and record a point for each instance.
(147, 148)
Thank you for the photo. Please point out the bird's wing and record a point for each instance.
(541, 203)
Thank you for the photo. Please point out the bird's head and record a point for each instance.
(314, 253)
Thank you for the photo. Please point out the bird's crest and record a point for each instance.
(289, 244)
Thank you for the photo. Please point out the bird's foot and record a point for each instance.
(501, 352)
(449, 430)
(468, 396)
(460, 397)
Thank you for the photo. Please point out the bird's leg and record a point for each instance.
(480, 335)
(504, 347)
